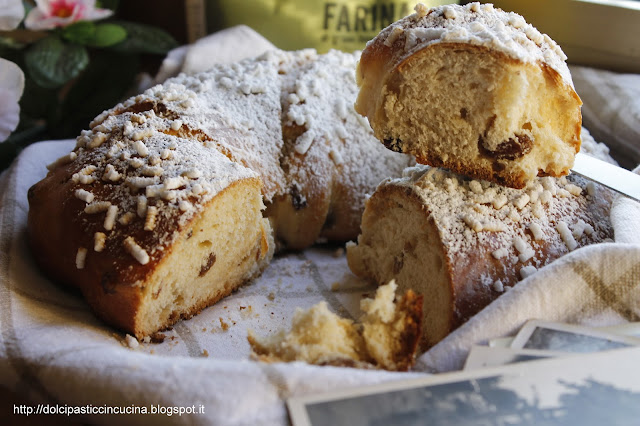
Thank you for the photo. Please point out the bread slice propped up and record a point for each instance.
(473, 89)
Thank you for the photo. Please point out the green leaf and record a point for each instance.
(107, 4)
(81, 32)
(90, 34)
(108, 35)
(9, 43)
(51, 63)
(100, 86)
(37, 103)
(144, 39)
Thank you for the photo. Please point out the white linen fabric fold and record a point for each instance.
(54, 351)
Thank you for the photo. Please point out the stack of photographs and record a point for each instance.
(542, 339)
(548, 374)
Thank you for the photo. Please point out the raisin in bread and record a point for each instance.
(473, 89)
(179, 195)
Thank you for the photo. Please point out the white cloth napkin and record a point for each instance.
(223, 47)
(54, 351)
(611, 110)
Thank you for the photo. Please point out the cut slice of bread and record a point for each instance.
(472, 89)
(224, 245)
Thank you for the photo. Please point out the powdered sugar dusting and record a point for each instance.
(114, 176)
(148, 165)
(528, 233)
(340, 149)
(236, 107)
(479, 25)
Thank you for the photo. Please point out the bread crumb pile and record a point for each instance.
(385, 337)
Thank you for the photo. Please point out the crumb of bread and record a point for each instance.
(385, 337)
(223, 324)
(158, 337)
(132, 342)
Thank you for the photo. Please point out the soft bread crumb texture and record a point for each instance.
(455, 92)
(399, 242)
(385, 337)
(227, 246)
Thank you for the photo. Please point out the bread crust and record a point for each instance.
(411, 303)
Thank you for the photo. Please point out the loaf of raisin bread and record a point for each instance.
(174, 198)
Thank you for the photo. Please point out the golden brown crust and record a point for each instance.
(472, 296)
(411, 305)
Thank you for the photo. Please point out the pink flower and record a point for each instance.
(60, 13)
